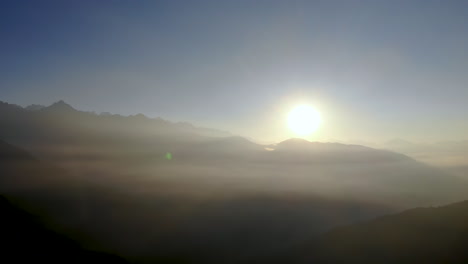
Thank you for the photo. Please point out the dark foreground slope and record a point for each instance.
(421, 235)
(24, 239)
(24, 236)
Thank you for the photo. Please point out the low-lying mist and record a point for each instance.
(147, 188)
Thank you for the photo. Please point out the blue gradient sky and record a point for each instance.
(376, 70)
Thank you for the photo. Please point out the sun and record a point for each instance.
(303, 120)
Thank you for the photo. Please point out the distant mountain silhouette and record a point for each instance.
(34, 107)
(421, 235)
(60, 123)
(59, 107)
(302, 144)
(63, 135)
(107, 182)
(449, 155)
(337, 152)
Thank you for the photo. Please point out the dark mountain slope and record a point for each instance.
(24, 239)
(422, 235)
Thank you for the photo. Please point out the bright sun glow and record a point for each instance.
(303, 120)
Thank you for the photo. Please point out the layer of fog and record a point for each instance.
(108, 178)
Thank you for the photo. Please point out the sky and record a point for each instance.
(375, 70)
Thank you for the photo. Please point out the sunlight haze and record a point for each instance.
(304, 120)
(231, 64)
(234, 131)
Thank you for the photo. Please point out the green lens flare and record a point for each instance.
(169, 156)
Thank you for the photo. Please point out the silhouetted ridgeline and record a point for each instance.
(100, 146)
(106, 182)
(422, 235)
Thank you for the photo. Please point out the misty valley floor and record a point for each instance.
(107, 186)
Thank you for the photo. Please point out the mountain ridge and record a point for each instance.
(419, 235)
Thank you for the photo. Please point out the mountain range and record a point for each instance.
(106, 182)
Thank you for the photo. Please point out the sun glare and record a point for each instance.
(303, 120)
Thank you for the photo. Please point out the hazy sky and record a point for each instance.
(376, 70)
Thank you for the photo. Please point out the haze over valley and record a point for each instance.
(192, 191)
(234, 132)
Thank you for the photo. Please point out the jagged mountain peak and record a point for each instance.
(61, 106)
